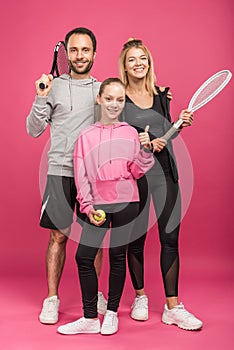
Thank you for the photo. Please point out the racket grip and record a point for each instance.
(172, 130)
(42, 86)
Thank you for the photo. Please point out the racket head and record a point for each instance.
(60, 62)
(209, 89)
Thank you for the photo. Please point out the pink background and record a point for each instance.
(189, 41)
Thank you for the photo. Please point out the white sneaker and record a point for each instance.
(110, 323)
(101, 304)
(181, 317)
(140, 308)
(82, 325)
(50, 309)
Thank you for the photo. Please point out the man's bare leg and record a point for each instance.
(55, 259)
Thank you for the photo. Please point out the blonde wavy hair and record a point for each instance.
(150, 76)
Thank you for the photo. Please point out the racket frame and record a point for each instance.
(179, 122)
(54, 70)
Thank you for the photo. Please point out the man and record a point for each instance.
(67, 105)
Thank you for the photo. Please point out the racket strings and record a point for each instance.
(62, 62)
(209, 90)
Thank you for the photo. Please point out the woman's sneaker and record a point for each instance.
(110, 323)
(140, 308)
(181, 317)
(101, 304)
(50, 309)
(82, 325)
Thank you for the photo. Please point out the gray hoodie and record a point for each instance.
(68, 108)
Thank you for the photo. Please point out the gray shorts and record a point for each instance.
(59, 203)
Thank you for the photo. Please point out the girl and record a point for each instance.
(107, 161)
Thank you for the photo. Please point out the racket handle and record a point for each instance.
(42, 86)
(172, 130)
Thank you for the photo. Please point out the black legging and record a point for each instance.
(122, 221)
(167, 203)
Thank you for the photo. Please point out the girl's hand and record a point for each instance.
(187, 117)
(92, 220)
(144, 138)
(158, 144)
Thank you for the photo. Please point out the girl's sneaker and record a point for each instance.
(82, 325)
(110, 323)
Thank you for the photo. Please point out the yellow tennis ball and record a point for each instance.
(100, 218)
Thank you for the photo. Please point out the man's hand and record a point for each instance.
(48, 81)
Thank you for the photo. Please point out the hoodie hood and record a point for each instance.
(106, 135)
(89, 82)
(110, 126)
(78, 82)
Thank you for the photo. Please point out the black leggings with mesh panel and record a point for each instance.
(167, 204)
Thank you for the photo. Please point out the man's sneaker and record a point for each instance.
(181, 317)
(83, 325)
(140, 308)
(50, 309)
(101, 304)
(110, 323)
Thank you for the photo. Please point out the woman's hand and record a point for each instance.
(169, 95)
(158, 144)
(92, 220)
(187, 117)
(144, 138)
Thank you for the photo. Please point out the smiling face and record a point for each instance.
(111, 101)
(80, 55)
(136, 63)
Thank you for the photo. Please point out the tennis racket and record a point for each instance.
(207, 91)
(60, 63)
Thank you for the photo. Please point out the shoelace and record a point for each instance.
(109, 319)
(49, 306)
(72, 324)
(186, 314)
(140, 302)
(101, 300)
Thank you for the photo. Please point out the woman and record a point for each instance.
(149, 104)
(107, 162)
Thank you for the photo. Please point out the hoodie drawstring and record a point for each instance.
(109, 144)
(93, 95)
(70, 92)
(99, 145)
(110, 153)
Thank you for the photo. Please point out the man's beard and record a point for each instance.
(85, 71)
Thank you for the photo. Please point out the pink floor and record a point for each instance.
(205, 288)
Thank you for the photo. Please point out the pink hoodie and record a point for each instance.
(107, 162)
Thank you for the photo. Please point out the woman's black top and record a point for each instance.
(159, 119)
